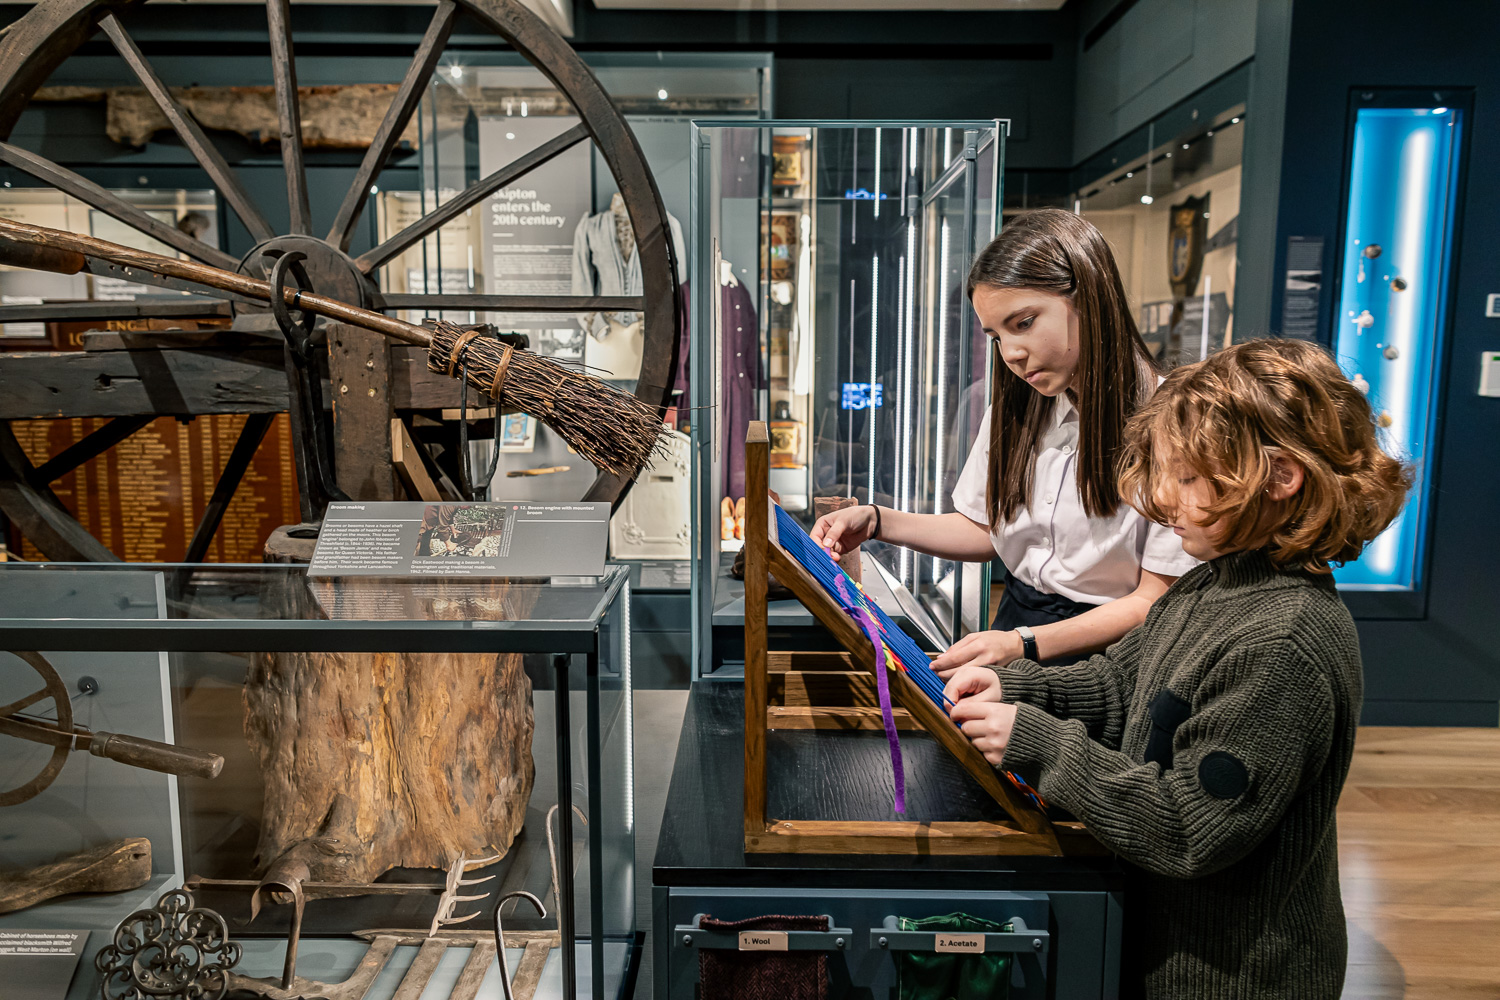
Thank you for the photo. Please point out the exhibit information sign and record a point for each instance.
(476, 540)
(39, 965)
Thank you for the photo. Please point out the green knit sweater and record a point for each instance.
(1208, 748)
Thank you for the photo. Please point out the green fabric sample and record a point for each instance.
(927, 975)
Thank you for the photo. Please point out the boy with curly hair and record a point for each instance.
(1208, 746)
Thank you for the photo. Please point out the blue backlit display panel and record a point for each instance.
(1393, 289)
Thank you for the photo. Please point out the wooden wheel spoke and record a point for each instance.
(91, 446)
(21, 704)
(288, 114)
(519, 303)
(192, 136)
(251, 435)
(471, 196)
(90, 193)
(115, 309)
(397, 116)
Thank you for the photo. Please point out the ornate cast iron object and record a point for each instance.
(173, 951)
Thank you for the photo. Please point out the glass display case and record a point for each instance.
(837, 252)
(558, 231)
(377, 764)
(1393, 279)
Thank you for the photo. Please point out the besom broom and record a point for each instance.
(614, 430)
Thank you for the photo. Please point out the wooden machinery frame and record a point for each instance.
(837, 691)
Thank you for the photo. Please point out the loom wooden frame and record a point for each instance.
(836, 691)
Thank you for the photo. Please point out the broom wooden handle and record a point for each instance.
(44, 249)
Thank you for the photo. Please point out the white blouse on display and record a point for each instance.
(1053, 545)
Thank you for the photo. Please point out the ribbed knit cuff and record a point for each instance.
(1035, 740)
(1021, 681)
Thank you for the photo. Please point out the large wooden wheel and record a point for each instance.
(41, 40)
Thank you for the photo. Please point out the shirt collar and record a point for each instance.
(1063, 410)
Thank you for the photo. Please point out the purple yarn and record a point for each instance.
(866, 621)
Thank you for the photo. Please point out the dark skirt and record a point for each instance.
(1023, 604)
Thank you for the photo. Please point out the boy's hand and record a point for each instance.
(987, 725)
(975, 683)
(979, 649)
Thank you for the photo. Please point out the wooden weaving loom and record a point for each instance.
(837, 691)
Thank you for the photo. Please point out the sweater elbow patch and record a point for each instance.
(1223, 775)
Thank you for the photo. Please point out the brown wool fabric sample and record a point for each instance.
(763, 975)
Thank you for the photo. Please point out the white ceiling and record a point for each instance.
(830, 5)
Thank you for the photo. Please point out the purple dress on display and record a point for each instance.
(740, 373)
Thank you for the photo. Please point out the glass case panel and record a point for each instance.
(837, 253)
(485, 110)
(368, 740)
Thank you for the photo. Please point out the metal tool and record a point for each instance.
(536, 945)
(64, 737)
(500, 940)
(450, 897)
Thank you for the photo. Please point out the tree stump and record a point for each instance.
(374, 761)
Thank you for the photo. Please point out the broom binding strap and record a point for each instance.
(501, 370)
(458, 348)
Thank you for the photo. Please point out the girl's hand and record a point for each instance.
(987, 725)
(973, 683)
(844, 530)
(979, 649)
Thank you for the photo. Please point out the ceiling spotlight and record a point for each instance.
(510, 135)
(1184, 145)
(1234, 121)
(1146, 199)
(661, 95)
(1210, 133)
(457, 72)
(374, 188)
(1440, 111)
(1130, 173)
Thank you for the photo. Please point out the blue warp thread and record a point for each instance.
(908, 655)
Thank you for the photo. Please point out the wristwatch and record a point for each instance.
(1028, 642)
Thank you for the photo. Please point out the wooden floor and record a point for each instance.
(1419, 860)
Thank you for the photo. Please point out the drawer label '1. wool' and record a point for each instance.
(762, 940)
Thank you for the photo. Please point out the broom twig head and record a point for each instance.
(614, 430)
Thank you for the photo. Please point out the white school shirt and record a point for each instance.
(1053, 544)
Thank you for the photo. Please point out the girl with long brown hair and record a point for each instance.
(1038, 489)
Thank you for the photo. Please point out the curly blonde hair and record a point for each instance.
(1227, 417)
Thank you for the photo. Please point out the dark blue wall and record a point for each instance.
(1443, 666)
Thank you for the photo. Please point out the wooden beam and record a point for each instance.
(92, 446)
(833, 688)
(179, 308)
(897, 837)
(288, 113)
(757, 527)
(780, 661)
(407, 460)
(38, 385)
(251, 435)
(359, 369)
(839, 719)
(516, 303)
(393, 125)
